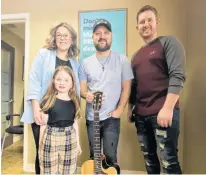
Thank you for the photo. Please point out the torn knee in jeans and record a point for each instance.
(143, 149)
(142, 144)
(147, 163)
(162, 133)
(162, 146)
(165, 163)
(145, 153)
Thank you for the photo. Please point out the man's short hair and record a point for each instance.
(147, 8)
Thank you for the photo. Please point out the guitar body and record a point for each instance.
(88, 167)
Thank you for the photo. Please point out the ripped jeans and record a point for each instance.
(109, 133)
(151, 136)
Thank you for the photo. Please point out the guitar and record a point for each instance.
(99, 165)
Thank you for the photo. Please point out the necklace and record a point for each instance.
(103, 64)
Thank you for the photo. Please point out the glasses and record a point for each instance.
(65, 36)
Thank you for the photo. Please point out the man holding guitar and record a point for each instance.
(110, 73)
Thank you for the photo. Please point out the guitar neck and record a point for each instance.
(97, 143)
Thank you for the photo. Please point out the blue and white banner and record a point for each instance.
(118, 20)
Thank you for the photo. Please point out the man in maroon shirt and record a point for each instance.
(159, 74)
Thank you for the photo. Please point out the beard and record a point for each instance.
(104, 48)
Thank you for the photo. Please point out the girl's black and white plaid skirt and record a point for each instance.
(58, 151)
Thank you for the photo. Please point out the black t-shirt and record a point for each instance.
(60, 62)
(62, 113)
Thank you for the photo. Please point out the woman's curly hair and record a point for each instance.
(51, 41)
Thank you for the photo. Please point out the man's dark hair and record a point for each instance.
(147, 8)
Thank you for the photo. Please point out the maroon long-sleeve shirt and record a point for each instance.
(159, 69)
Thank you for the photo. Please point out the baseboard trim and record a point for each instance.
(132, 172)
(30, 168)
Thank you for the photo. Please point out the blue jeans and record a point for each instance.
(151, 136)
(109, 133)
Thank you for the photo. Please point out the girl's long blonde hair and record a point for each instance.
(49, 98)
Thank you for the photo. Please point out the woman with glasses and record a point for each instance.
(60, 50)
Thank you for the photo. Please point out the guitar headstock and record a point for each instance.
(97, 102)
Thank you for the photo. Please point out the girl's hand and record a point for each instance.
(45, 118)
(79, 150)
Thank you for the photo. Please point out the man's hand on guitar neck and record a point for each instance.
(89, 96)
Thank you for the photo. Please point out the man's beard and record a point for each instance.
(102, 49)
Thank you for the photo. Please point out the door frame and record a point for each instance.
(9, 48)
(25, 18)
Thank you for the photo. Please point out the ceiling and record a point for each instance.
(17, 28)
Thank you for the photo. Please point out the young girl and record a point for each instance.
(59, 138)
